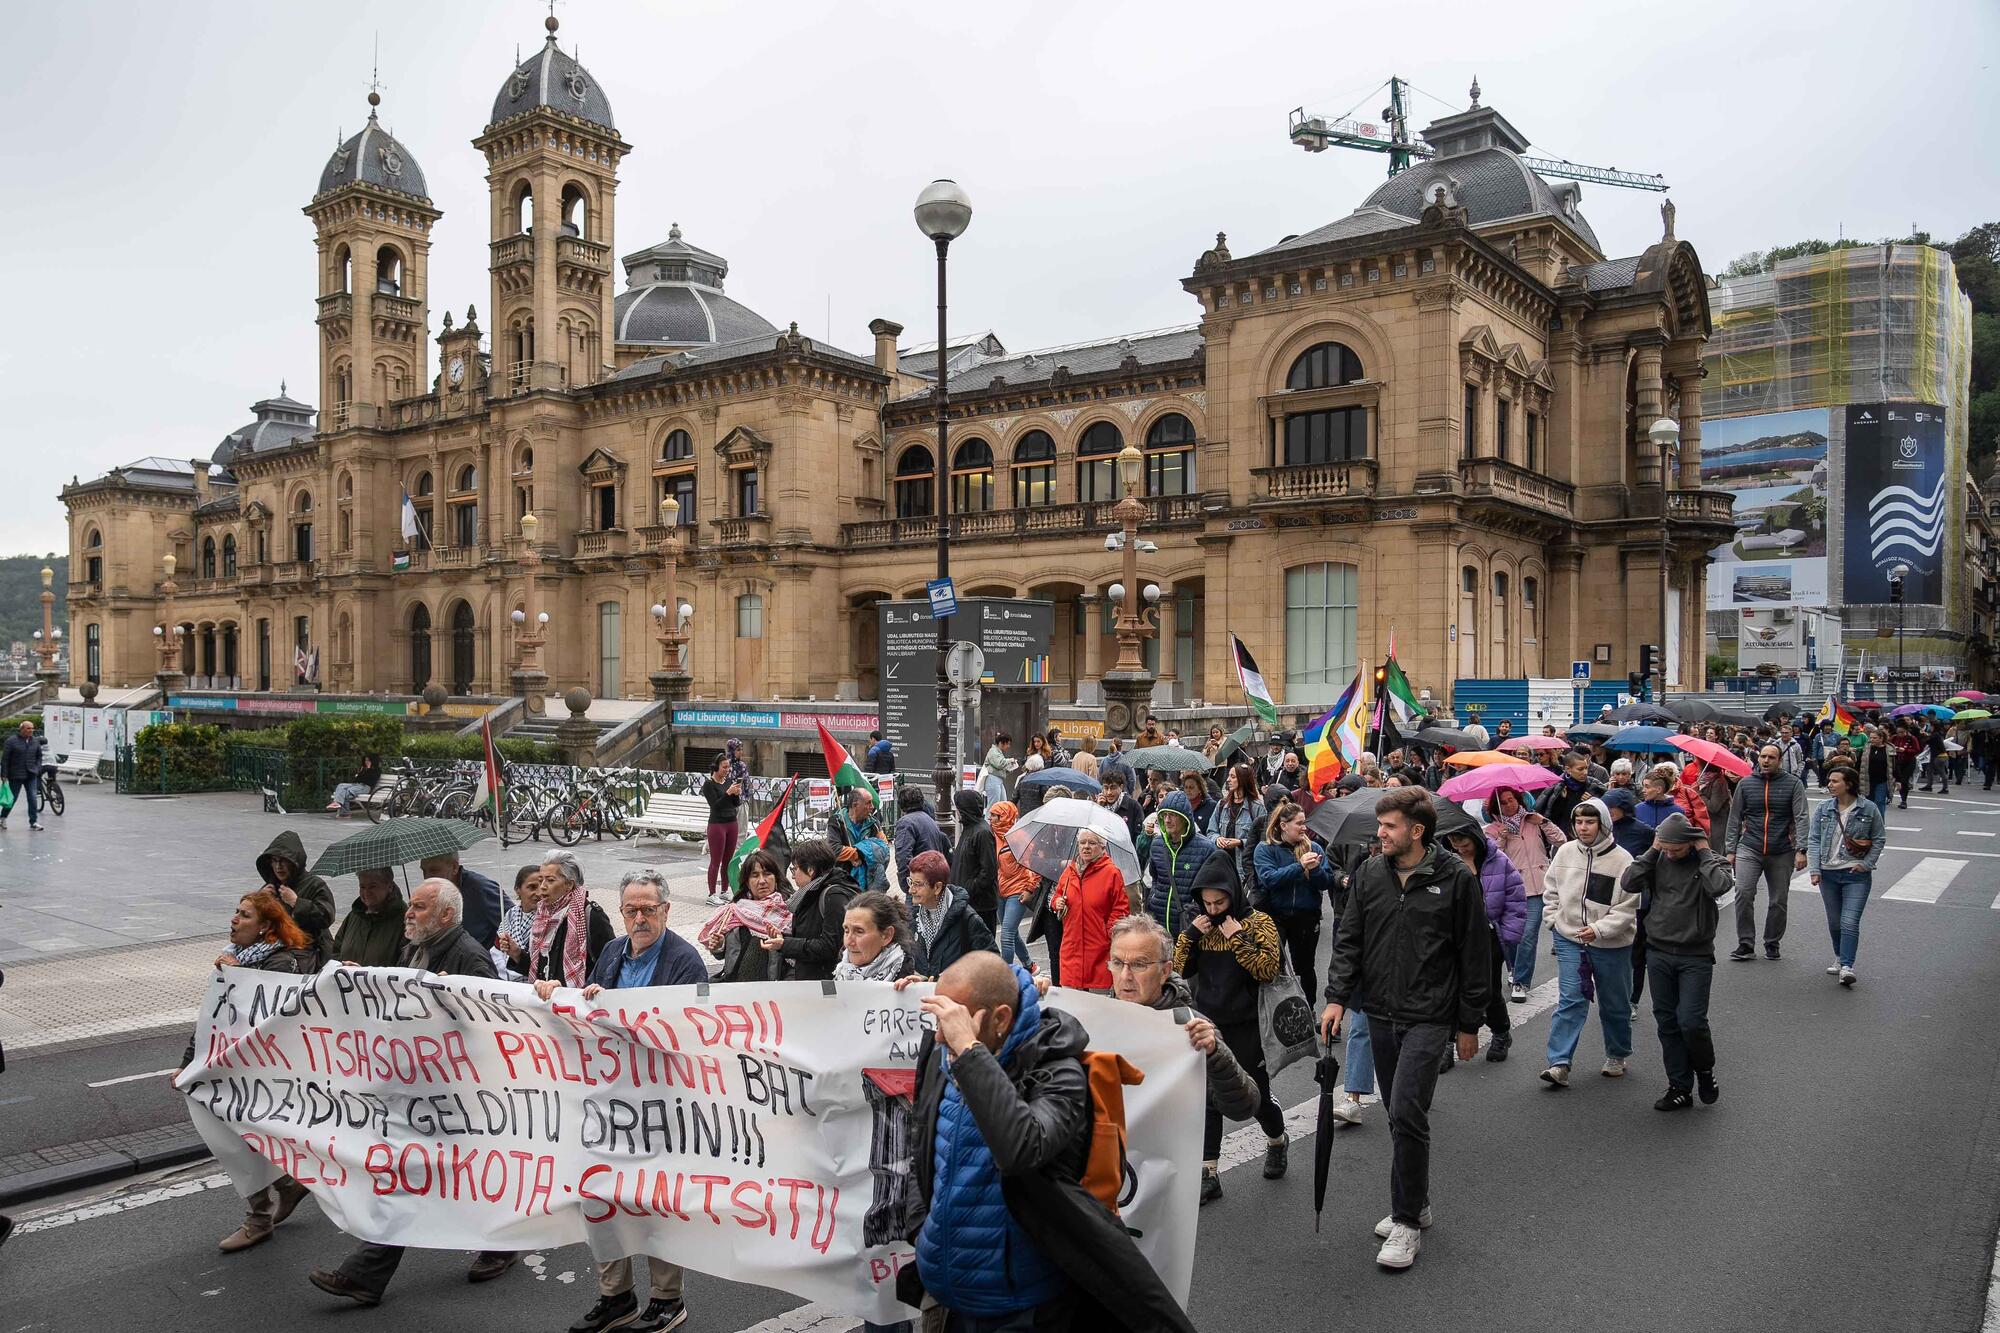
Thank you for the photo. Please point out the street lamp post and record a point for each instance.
(943, 213)
(168, 631)
(1896, 576)
(671, 682)
(45, 642)
(1665, 435)
(1128, 686)
(530, 625)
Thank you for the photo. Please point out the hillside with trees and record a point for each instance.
(21, 594)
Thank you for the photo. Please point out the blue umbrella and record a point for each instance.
(1640, 740)
(1077, 781)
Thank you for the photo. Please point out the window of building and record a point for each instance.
(420, 647)
(263, 546)
(1325, 366)
(264, 654)
(93, 561)
(1097, 462)
(750, 616)
(1337, 435)
(1471, 421)
(1531, 438)
(465, 524)
(93, 652)
(604, 503)
(228, 556)
(1468, 579)
(680, 485)
(1170, 456)
(389, 271)
(229, 652)
(1503, 415)
(972, 477)
(420, 501)
(915, 482)
(748, 501)
(1321, 603)
(1034, 470)
(301, 648)
(678, 447)
(208, 557)
(302, 541)
(610, 650)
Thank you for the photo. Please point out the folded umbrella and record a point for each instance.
(1710, 753)
(1515, 744)
(1480, 783)
(397, 842)
(1044, 839)
(1169, 759)
(1075, 779)
(1326, 1073)
(1480, 758)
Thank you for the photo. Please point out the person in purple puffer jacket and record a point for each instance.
(1506, 912)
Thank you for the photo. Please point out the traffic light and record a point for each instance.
(1381, 679)
(1650, 661)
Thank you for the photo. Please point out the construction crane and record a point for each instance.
(1391, 135)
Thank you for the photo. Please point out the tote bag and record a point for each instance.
(1285, 1021)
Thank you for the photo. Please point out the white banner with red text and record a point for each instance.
(758, 1133)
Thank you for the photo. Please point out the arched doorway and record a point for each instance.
(463, 635)
(420, 648)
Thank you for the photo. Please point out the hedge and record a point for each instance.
(444, 745)
(178, 756)
(321, 752)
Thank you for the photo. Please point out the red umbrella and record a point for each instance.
(1517, 743)
(1711, 753)
(1868, 703)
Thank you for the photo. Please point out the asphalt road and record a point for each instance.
(1849, 1177)
(92, 1093)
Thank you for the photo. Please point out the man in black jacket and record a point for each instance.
(439, 944)
(483, 904)
(21, 769)
(917, 832)
(1413, 940)
(1681, 880)
(975, 862)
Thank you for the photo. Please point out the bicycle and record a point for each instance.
(52, 792)
(524, 812)
(590, 808)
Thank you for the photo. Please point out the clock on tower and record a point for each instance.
(461, 365)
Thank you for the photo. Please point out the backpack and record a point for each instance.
(1107, 1171)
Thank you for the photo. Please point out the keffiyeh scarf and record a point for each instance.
(762, 916)
(571, 909)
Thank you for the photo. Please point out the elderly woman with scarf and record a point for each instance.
(872, 936)
(1528, 838)
(568, 930)
(758, 911)
(1596, 918)
(944, 926)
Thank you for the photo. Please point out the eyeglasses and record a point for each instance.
(646, 909)
(1134, 964)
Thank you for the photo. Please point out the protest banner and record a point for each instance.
(742, 1131)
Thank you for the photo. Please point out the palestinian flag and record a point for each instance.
(1253, 682)
(487, 795)
(839, 765)
(1396, 691)
(1842, 720)
(767, 836)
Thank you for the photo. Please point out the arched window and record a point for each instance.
(344, 488)
(468, 479)
(420, 504)
(1324, 367)
(343, 269)
(425, 487)
(1321, 602)
(389, 271)
(229, 556)
(1034, 470)
(208, 557)
(302, 528)
(972, 477)
(575, 211)
(1097, 462)
(678, 447)
(1170, 456)
(420, 647)
(915, 483)
(524, 461)
(524, 209)
(464, 635)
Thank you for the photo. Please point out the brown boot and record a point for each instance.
(243, 1238)
(290, 1195)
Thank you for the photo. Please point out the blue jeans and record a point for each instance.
(33, 787)
(1011, 947)
(1879, 793)
(1531, 939)
(1613, 969)
(1845, 893)
(1360, 1054)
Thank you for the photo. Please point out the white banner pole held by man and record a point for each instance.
(732, 1129)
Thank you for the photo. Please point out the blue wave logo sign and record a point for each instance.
(1902, 521)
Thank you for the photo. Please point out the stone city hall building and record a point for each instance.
(1430, 415)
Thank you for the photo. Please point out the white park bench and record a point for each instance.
(666, 814)
(379, 797)
(80, 766)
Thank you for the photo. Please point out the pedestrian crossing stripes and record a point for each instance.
(1926, 881)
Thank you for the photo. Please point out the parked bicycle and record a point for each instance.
(593, 807)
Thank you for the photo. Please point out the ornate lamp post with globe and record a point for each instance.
(530, 626)
(48, 640)
(1128, 686)
(671, 683)
(168, 632)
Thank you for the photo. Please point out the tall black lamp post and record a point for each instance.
(943, 213)
(1896, 577)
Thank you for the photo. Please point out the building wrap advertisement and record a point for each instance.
(1897, 499)
(1776, 464)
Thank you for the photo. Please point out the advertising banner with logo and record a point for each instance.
(1897, 501)
(763, 1135)
(1776, 465)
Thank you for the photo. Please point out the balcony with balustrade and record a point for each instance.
(454, 557)
(1495, 479)
(1351, 479)
(608, 544)
(742, 529)
(1067, 520)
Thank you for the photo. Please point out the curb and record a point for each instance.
(104, 1167)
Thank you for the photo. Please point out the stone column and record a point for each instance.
(1169, 627)
(1690, 469)
(1651, 403)
(1093, 638)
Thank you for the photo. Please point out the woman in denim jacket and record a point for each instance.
(1846, 841)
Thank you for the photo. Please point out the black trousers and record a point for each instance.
(1248, 1048)
(1406, 1069)
(1300, 932)
(1498, 1021)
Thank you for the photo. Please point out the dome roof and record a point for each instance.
(374, 157)
(1491, 184)
(551, 79)
(278, 421)
(674, 298)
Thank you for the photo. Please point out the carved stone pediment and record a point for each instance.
(602, 465)
(743, 445)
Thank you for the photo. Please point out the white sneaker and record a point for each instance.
(1347, 1111)
(1833, 969)
(1388, 1224)
(1518, 994)
(717, 899)
(1400, 1249)
(1614, 1068)
(1556, 1076)
(1847, 977)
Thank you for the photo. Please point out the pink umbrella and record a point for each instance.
(1481, 783)
(1711, 753)
(1515, 743)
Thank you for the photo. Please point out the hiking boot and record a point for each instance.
(1400, 1250)
(1388, 1224)
(1705, 1082)
(610, 1312)
(1614, 1067)
(1556, 1076)
(1771, 951)
(1496, 1050)
(340, 1284)
(1742, 952)
(1211, 1184)
(1277, 1155)
(1677, 1099)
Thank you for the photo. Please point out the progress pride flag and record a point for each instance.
(755, 1132)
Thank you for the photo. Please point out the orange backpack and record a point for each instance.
(1107, 1174)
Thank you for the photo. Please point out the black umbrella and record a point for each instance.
(1326, 1073)
(1651, 713)
(1776, 710)
(1692, 710)
(1594, 731)
(1447, 736)
(1728, 718)
(1345, 820)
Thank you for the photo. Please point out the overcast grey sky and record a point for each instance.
(159, 273)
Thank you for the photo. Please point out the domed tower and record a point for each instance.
(552, 155)
(373, 217)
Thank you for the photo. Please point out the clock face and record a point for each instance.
(457, 370)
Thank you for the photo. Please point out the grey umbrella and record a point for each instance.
(398, 842)
(1169, 759)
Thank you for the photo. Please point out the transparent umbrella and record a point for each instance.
(1044, 839)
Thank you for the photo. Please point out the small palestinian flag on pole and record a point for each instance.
(767, 836)
(839, 766)
(1253, 682)
(1396, 691)
(487, 795)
